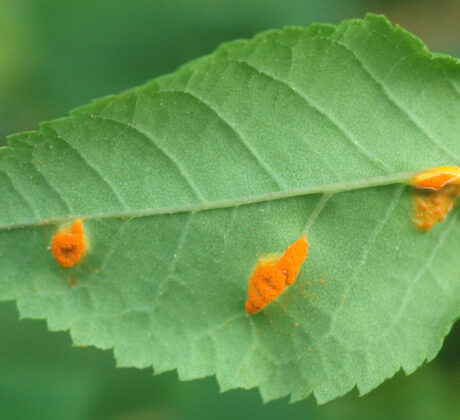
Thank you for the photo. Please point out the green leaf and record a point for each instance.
(45, 50)
(185, 182)
(35, 364)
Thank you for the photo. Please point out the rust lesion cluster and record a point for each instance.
(69, 245)
(273, 274)
(436, 191)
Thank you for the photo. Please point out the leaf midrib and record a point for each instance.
(334, 188)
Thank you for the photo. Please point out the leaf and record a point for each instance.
(185, 182)
(35, 364)
(44, 54)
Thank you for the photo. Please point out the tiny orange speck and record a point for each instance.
(69, 245)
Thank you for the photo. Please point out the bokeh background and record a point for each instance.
(56, 55)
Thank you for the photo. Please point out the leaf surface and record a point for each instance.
(185, 182)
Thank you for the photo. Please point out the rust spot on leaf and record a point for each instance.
(69, 245)
(436, 190)
(273, 273)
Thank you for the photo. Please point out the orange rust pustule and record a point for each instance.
(437, 178)
(68, 246)
(269, 279)
(436, 191)
(266, 284)
(293, 258)
(431, 208)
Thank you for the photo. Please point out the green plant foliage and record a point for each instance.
(59, 381)
(56, 55)
(185, 182)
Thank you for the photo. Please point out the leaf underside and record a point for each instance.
(185, 182)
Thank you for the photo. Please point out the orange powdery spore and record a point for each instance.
(436, 191)
(273, 274)
(69, 245)
(292, 259)
(431, 208)
(437, 178)
(266, 284)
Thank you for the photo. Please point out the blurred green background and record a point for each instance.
(56, 55)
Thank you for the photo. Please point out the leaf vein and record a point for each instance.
(316, 212)
(419, 275)
(20, 193)
(163, 151)
(93, 168)
(393, 100)
(44, 178)
(373, 236)
(243, 201)
(238, 135)
(332, 120)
